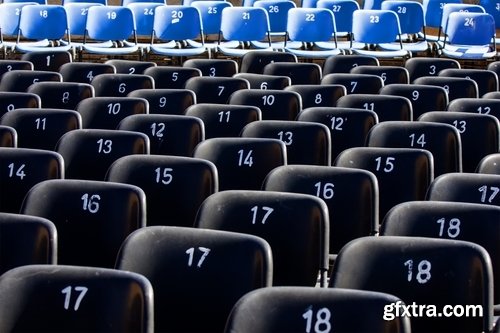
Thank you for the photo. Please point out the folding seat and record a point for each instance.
(463, 41)
(23, 169)
(277, 11)
(47, 60)
(107, 112)
(76, 14)
(224, 120)
(20, 80)
(41, 128)
(255, 61)
(456, 87)
(189, 268)
(166, 101)
(479, 134)
(342, 11)
(441, 139)
(349, 127)
(171, 77)
(242, 163)
(9, 24)
(127, 66)
(350, 194)
(486, 80)
(412, 23)
(240, 26)
(470, 222)
(466, 187)
(213, 67)
(215, 89)
(403, 174)
(11, 100)
(88, 212)
(45, 24)
(8, 136)
(174, 186)
(343, 63)
(295, 225)
(311, 33)
(70, 298)
(389, 74)
(84, 72)
(424, 272)
(168, 134)
(88, 153)
(61, 95)
(355, 83)
(490, 7)
(26, 240)
(7, 65)
(325, 308)
(120, 85)
(107, 30)
(274, 104)
(428, 66)
(211, 15)
(489, 164)
(265, 81)
(298, 72)
(306, 142)
(433, 14)
(490, 106)
(176, 23)
(387, 107)
(380, 31)
(423, 97)
(144, 14)
(316, 95)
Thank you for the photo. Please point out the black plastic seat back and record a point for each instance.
(421, 271)
(215, 89)
(88, 153)
(456, 87)
(47, 60)
(345, 63)
(168, 134)
(306, 142)
(60, 298)
(213, 67)
(355, 83)
(20, 80)
(393, 166)
(389, 74)
(349, 127)
(11, 100)
(41, 128)
(486, 80)
(61, 95)
(490, 164)
(189, 268)
(488, 106)
(120, 85)
(293, 307)
(174, 186)
(26, 240)
(166, 101)
(265, 81)
(171, 77)
(298, 72)
(442, 140)
(92, 218)
(317, 95)
(8, 136)
(274, 104)
(127, 66)
(22, 168)
(224, 120)
(255, 61)
(350, 194)
(387, 107)
(84, 72)
(296, 226)
(428, 66)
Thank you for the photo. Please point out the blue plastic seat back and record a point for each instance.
(492, 7)
(40, 2)
(77, 16)
(410, 14)
(470, 28)
(433, 11)
(374, 26)
(101, 2)
(211, 14)
(110, 23)
(144, 13)
(372, 4)
(244, 23)
(277, 11)
(310, 24)
(10, 14)
(342, 10)
(458, 7)
(43, 21)
(177, 23)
